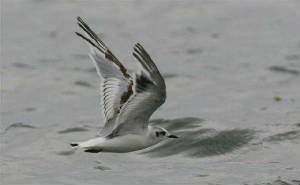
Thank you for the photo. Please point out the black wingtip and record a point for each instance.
(74, 144)
(78, 18)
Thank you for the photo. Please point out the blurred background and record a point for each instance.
(232, 74)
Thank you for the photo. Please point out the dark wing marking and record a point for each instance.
(149, 93)
(100, 45)
(116, 83)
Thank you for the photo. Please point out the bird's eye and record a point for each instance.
(157, 134)
(163, 133)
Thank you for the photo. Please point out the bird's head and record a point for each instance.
(160, 133)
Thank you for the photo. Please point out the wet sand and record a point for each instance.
(232, 75)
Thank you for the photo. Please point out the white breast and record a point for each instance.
(127, 143)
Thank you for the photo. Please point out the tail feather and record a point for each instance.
(91, 146)
(89, 149)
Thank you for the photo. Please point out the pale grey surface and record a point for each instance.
(224, 62)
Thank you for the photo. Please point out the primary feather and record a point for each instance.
(127, 101)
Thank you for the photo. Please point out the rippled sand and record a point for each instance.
(232, 75)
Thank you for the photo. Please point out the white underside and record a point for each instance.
(127, 143)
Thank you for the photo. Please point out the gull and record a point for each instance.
(128, 100)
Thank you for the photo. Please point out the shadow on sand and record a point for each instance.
(195, 141)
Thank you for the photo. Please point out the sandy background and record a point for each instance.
(232, 75)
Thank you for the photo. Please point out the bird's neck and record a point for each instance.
(151, 136)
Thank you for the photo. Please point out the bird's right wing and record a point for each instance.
(116, 83)
(149, 92)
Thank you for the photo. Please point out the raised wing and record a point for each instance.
(116, 83)
(149, 92)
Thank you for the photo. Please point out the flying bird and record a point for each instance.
(128, 100)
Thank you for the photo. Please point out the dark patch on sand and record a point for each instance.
(190, 29)
(194, 51)
(22, 65)
(283, 69)
(215, 35)
(279, 181)
(263, 108)
(292, 57)
(103, 168)
(169, 75)
(66, 152)
(19, 125)
(290, 135)
(202, 175)
(83, 83)
(29, 109)
(74, 129)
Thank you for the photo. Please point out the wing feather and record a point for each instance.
(149, 94)
(127, 102)
(116, 83)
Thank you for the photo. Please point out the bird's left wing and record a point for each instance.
(116, 83)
